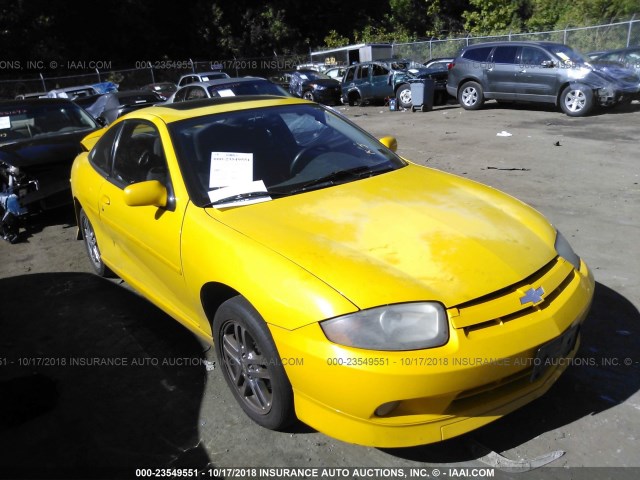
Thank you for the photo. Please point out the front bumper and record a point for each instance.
(485, 371)
(328, 96)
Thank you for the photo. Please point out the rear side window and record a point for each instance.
(505, 54)
(479, 54)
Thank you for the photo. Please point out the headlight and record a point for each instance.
(408, 326)
(565, 251)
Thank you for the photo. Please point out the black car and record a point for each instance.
(111, 106)
(315, 86)
(629, 57)
(164, 89)
(38, 141)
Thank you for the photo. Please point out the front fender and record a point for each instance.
(285, 294)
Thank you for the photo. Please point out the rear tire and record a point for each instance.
(471, 96)
(308, 95)
(251, 365)
(91, 244)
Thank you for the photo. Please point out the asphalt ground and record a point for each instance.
(95, 382)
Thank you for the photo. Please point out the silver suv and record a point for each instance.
(536, 72)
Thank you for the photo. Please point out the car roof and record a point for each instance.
(517, 43)
(203, 73)
(225, 81)
(36, 101)
(174, 112)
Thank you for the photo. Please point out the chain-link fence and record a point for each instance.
(584, 39)
(143, 73)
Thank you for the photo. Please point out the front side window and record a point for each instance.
(379, 70)
(180, 95)
(139, 155)
(532, 56)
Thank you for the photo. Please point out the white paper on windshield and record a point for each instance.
(230, 168)
(303, 76)
(563, 56)
(5, 122)
(225, 92)
(239, 189)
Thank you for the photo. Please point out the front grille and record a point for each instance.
(504, 305)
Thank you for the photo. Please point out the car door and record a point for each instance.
(501, 73)
(363, 81)
(537, 75)
(143, 243)
(380, 82)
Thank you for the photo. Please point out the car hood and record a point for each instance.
(325, 82)
(43, 151)
(409, 235)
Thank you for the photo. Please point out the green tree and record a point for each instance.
(487, 17)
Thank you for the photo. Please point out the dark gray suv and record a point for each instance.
(536, 72)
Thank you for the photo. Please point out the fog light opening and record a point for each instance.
(386, 408)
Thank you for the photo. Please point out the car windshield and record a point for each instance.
(23, 122)
(283, 150)
(568, 55)
(246, 88)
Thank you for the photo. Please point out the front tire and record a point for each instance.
(308, 95)
(251, 365)
(471, 96)
(91, 244)
(403, 96)
(577, 100)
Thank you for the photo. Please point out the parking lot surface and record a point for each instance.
(65, 410)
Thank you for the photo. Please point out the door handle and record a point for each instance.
(105, 200)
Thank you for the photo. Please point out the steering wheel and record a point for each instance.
(298, 164)
(144, 159)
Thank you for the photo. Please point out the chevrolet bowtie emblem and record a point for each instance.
(533, 295)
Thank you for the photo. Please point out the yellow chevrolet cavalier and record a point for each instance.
(380, 302)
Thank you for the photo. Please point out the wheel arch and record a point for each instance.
(354, 91)
(560, 90)
(214, 294)
(77, 206)
(399, 86)
(465, 80)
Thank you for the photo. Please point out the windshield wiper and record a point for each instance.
(244, 196)
(339, 176)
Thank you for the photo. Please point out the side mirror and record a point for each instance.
(146, 194)
(390, 142)
(548, 64)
